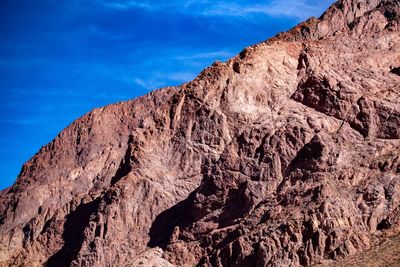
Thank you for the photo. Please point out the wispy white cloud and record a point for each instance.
(124, 5)
(161, 79)
(148, 84)
(180, 77)
(191, 62)
(300, 9)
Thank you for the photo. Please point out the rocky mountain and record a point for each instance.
(285, 155)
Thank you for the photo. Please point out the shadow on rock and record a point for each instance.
(74, 234)
(163, 226)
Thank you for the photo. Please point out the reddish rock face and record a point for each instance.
(286, 155)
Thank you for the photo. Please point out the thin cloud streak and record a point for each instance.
(192, 60)
(287, 8)
(124, 5)
(299, 9)
(162, 79)
(148, 84)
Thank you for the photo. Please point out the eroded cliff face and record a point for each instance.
(286, 155)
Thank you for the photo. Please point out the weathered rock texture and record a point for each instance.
(286, 155)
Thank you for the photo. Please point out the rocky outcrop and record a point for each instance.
(285, 155)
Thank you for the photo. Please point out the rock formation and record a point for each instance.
(286, 155)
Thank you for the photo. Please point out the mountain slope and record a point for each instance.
(286, 155)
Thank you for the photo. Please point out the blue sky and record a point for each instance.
(61, 58)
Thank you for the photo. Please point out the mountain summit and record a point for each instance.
(285, 155)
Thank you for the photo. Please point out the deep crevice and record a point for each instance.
(395, 71)
(163, 226)
(74, 234)
(306, 157)
(383, 225)
(125, 166)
